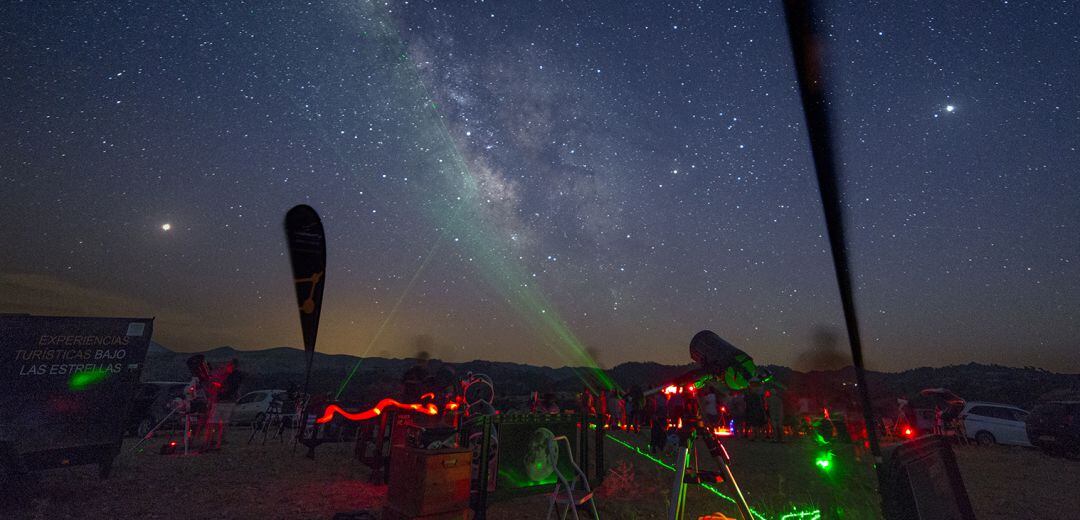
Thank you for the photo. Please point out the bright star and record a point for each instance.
(949, 108)
(166, 226)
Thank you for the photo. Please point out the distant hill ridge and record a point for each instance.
(376, 376)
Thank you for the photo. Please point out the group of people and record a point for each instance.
(756, 413)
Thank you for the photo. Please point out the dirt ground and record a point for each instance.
(270, 482)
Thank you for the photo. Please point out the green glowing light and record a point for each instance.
(517, 482)
(87, 378)
(802, 515)
(824, 461)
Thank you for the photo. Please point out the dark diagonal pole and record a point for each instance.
(807, 47)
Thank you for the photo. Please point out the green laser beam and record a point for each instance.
(807, 515)
(802, 515)
(390, 316)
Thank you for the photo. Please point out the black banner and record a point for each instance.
(66, 385)
(307, 251)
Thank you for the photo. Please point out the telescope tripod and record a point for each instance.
(682, 460)
(187, 428)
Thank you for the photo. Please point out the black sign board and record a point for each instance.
(921, 481)
(67, 384)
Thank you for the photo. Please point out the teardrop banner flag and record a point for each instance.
(307, 252)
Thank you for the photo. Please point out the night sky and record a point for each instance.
(546, 182)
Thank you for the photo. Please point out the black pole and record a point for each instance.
(485, 453)
(307, 371)
(807, 47)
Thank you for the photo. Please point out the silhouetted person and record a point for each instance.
(412, 382)
(755, 413)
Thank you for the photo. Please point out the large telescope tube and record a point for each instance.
(722, 360)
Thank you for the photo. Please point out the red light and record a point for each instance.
(671, 389)
(908, 432)
(429, 395)
(328, 414)
(690, 388)
(172, 443)
(452, 406)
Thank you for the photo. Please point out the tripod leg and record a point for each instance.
(254, 430)
(153, 430)
(720, 454)
(678, 487)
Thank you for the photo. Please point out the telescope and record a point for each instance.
(720, 361)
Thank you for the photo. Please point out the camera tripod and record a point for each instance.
(697, 476)
(276, 416)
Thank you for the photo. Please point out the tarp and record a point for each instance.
(943, 394)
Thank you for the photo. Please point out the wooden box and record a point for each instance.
(429, 482)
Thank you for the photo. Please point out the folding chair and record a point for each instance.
(564, 494)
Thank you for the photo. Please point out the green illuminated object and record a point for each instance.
(802, 515)
(824, 461)
(87, 378)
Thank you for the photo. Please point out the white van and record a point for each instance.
(995, 423)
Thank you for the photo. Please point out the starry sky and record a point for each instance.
(547, 182)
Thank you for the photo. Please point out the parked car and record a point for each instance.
(253, 405)
(151, 404)
(1055, 428)
(995, 423)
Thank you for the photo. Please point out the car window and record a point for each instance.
(984, 411)
(1007, 414)
(249, 398)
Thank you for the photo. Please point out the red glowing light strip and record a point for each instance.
(328, 414)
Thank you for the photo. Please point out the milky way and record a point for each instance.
(543, 182)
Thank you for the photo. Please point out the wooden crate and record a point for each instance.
(429, 482)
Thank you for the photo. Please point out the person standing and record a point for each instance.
(613, 408)
(776, 414)
(738, 413)
(225, 383)
(755, 413)
(709, 408)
